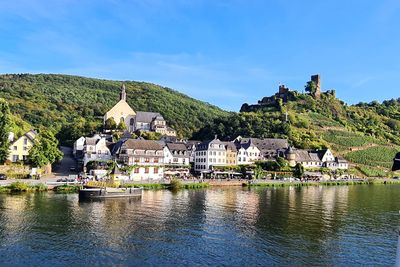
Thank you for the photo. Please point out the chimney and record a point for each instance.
(10, 137)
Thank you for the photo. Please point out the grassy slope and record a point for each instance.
(55, 100)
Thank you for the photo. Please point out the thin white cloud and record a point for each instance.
(362, 82)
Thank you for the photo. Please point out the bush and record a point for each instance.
(145, 186)
(40, 187)
(19, 187)
(175, 184)
(67, 188)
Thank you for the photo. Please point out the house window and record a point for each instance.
(136, 170)
(132, 121)
(15, 158)
(25, 141)
(14, 147)
(146, 170)
(25, 148)
(155, 170)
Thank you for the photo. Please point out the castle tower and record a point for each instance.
(122, 95)
(317, 80)
(291, 157)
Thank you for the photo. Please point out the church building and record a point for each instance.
(144, 121)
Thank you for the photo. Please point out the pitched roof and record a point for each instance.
(176, 146)
(204, 145)
(230, 146)
(90, 141)
(31, 135)
(314, 156)
(142, 116)
(142, 144)
(267, 143)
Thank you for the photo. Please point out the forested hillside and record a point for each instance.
(75, 105)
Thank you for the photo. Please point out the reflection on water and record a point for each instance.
(344, 225)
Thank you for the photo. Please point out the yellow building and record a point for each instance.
(231, 154)
(122, 112)
(19, 148)
(143, 121)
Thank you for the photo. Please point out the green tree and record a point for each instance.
(5, 122)
(283, 163)
(311, 87)
(45, 149)
(298, 170)
(258, 173)
(110, 124)
(121, 126)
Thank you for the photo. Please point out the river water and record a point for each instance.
(318, 226)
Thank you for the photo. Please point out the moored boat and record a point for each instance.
(108, 192)
(396, 162)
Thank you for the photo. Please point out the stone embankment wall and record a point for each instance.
(15, 170)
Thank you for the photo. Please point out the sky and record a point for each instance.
(223, 52)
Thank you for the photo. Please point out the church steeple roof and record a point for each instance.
(122, 95)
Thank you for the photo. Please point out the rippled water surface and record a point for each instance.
(341, 226)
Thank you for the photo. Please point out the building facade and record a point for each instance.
(209, 154)
(145, 156)
(143, 121)
(19, 148)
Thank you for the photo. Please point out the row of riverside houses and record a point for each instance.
(243, 151)
(240, 151)
(151, 159)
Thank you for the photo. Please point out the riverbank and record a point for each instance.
(23, 186)
(272, 183)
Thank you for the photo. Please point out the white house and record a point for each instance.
(95, 149)
(316, 159)
(145, 156)
(208, 154)
(79, 145)
(248, 153)
(176, 154)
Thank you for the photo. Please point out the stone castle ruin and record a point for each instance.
(284, 95)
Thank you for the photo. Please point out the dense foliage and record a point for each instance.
(5, 122)
(254, 124)
(45, 149)
(62, 102)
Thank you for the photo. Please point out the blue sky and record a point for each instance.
(223, 52)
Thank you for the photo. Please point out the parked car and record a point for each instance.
(3, 176)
